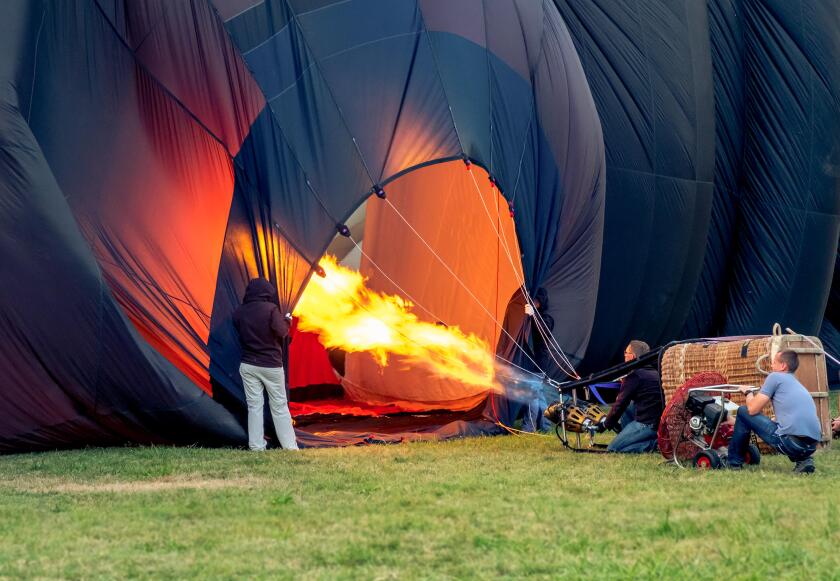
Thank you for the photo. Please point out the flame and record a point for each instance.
(348, 315)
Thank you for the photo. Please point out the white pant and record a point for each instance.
(273, 379)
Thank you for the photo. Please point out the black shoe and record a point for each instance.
(805, 466)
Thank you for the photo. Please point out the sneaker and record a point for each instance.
(805, 466)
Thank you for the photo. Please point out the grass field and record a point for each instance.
(506, 506)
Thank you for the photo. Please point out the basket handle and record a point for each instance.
(758, 364)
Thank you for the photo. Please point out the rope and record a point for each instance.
(516, 432)
(498, 422)
(436, 318)
(542, 327)
(364, 308)
(455, 276)
(512, 364)
(824, 352)
(509, 429)
(392, 281)
(433, 315)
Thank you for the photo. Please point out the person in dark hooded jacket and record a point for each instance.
(523, 340)
(261, 327)
(641, 392)
(538, 348)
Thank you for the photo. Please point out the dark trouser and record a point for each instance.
(794, 447)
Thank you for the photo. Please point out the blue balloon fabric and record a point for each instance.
(671, 166)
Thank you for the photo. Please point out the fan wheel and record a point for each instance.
(707, 460)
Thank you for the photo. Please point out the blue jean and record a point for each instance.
(635, 438)
(764, 428)
(534, 420)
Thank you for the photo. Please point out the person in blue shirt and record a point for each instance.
(796, 431)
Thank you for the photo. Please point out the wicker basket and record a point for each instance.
(746, 361)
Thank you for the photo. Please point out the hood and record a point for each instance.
(542, 296)
(260, 290)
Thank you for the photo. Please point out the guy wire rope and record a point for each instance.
(542, 327)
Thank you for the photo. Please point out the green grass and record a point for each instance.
(482, 507)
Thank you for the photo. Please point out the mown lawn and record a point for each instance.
(507, 506)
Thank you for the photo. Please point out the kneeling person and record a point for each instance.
(642, 388)
(797, 429)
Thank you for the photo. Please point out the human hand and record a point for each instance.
(529, 310)
(745, 390)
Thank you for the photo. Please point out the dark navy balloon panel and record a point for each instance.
(149, 187)
(649, 68)
(194, 145)
(184, 46)
(358, 100)
(670, 166)
(76, 370)
(681, 259)
(830, 331)
(790, 219)
(726, 30)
